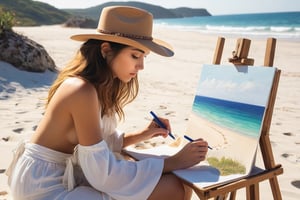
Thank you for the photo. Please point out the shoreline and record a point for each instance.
(229, 34)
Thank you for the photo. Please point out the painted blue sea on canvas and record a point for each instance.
(234, 97)
(239, 117)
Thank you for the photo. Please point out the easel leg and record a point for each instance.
(221, 197)
(253, 192)
(275, 188)
(232, 195)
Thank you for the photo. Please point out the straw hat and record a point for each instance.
(130, 26)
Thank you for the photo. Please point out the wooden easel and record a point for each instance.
(271, 171)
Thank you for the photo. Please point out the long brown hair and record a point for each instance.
(90, 65)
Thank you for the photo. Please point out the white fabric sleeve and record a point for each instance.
(115, 141)
(120, 179)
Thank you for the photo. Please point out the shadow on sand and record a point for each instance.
(11, 78)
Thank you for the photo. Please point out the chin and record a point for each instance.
(126, 80)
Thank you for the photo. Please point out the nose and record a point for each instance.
(140, 64)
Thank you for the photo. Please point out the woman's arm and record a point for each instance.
(83, 107)
(153, 130)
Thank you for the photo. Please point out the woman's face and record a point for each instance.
(127, 63)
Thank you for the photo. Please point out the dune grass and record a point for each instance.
(227, 166)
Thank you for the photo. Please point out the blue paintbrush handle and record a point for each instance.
(160, 124)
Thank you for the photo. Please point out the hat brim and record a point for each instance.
(157, 46)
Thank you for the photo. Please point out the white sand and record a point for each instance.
(167, 86)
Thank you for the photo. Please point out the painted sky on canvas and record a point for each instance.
(244, 87)
(215, 7)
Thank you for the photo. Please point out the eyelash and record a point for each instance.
(135, 57)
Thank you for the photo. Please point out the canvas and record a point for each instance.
(228, 112)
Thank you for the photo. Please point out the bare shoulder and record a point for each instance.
(78, 87)
(78, 84)
(74, 92)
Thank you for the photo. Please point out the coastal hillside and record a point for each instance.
(157, 11)
(34, 13)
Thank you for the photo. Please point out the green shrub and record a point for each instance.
(7, 20)
(227, 166)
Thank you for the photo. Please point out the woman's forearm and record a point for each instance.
(132, 138)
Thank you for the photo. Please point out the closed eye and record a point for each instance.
(134, 56)
(137, 53)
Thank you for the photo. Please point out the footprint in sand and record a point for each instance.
(18, 130)
(2, 193)
(21, 112)
(162, 107)
(288, 134)
(171, 113)
(296, 184)
(291, 157)
(5, 139)
(34, 127)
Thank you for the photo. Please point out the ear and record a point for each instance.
(105, 49)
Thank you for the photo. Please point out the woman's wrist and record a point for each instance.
(170, 164)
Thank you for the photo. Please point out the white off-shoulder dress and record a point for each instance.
(91, 172)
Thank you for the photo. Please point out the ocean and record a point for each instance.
(285, 25)
(241, 118)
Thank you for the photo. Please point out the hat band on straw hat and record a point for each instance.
(132, 36)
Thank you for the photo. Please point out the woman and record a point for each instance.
(70, 156)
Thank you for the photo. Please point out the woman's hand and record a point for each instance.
(191, 154)
(152, 130)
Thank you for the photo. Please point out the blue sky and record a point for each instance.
(250, 86)
(215, 7)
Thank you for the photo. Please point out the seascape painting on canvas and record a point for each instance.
(228, 112)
